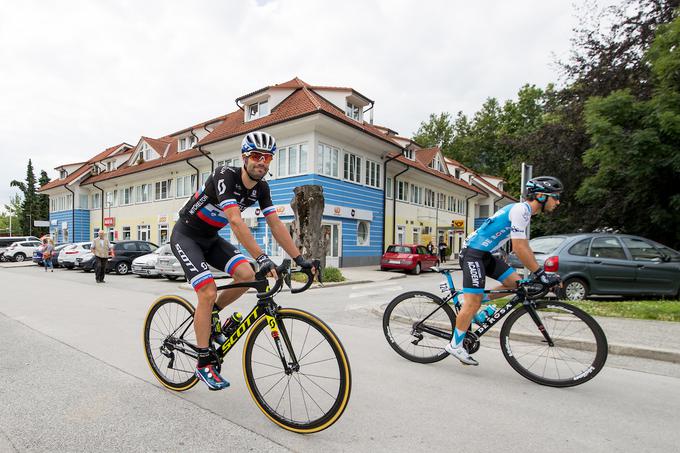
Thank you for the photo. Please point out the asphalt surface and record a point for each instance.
(75, 379)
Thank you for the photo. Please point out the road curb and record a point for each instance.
(662, 355)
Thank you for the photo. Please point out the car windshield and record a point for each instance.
(398, 249)
(546, 245)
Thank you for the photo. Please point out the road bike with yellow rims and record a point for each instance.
(294, 365)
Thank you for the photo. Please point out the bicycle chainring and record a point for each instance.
(471, 342)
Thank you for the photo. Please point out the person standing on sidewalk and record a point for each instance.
(47, 251)
(442, 251)
(100, 248)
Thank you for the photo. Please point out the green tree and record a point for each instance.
(436, 131)
(13, 210)
(634, 150)
(43, 212)
(30, 206)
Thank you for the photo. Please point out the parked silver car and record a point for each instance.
(145, 265)
(168, 266)
(608, 264)
(67, 256)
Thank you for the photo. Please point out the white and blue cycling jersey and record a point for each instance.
(510, 222)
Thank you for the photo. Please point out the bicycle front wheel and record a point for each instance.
(579, 348)
(418, 325)
(313, 394)
(168, 328)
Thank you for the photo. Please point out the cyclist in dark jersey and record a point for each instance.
(476, 260)
(196, 244)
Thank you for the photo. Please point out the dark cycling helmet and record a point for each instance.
(544, 184)
(258, 141)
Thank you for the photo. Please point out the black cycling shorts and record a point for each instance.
(476, 265)
(195, 251)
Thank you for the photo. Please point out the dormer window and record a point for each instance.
(63, 174)
(437, 164)
(408, 153)
(109, 166)
(353, 111)
(144, 154)
(257, 110)
(187, 142)
(457, 173)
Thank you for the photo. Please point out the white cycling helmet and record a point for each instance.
(258, 141)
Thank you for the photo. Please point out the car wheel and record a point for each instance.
(172, 277)
(416, 270)
(383, 268)
(19, 257)
(574, 289)
(122, 268)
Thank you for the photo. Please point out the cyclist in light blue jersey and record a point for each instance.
(476, 260)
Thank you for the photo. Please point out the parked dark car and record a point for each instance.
(121, 256)
(409, 257)
(608, 264)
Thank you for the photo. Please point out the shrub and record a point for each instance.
(332, 274)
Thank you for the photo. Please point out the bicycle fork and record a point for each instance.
(278, 332)
(539, 323)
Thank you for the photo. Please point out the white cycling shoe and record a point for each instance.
(461, 354)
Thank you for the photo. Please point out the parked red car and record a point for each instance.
(409, 257)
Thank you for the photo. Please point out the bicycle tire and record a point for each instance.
(254, 353)
(160, 321)
(399, 331)
(586, 348)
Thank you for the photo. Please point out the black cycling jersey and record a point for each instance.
(223, 189)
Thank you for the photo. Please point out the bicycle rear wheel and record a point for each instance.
(307, 399)
(168, 327)
(412, 335)
(578, 354)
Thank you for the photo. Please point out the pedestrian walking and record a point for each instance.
(442, 251)
(430, 248)
(47, 250)
(100, 247)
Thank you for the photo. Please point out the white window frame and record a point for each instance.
(328, 156)
(181, 185)
(367, 241)
(373, 174)
(256, 110)
(354, 111)
(388, 187)
(416, 194)
(128, 192)
(415, 231)
(351, 167)
(437, 164)
(402, 191)
(96, 200)
(141, 198)
(185, 143)
(289, 167)
(158, 190)
(409, 154)
(146, 229)
(129, 233)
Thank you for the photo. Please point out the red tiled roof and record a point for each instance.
(128, 168)
(480, 178)
(159, 145)
(426, 169)
(425, 156)
(302, 102)
(80, 171)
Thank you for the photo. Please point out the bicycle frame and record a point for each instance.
(500, 313)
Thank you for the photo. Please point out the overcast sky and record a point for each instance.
(79, 76)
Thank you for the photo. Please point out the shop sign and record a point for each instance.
(109, 221)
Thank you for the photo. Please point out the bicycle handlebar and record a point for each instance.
(284, 275)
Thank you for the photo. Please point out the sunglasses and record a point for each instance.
(556, 196)
(260, 157)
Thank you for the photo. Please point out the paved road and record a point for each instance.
(75, 379)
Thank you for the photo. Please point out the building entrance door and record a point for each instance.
(332, 234)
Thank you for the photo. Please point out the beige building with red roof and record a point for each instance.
(368, 173)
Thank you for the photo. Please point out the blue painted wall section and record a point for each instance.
(82, 227)
(339, 193)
